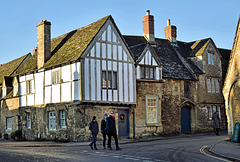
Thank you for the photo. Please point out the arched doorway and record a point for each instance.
(185, 120)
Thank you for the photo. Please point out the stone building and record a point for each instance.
(178, 83)
(231, 90)
(156, 86)
(9, 101)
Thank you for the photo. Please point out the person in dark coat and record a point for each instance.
(104, 129)
(93, 127)
(216, 123)
(111, 131)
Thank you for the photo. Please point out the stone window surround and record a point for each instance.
(212, 82)
(157, 107)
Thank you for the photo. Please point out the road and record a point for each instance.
(169, 150)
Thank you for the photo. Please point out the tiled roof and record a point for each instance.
(9, 68)
(68, 47)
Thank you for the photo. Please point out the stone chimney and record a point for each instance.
(148, 27)
(171, 32)
(43, 42)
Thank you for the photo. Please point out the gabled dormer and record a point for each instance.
(148, 65)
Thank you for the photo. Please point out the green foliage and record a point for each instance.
(12, 135)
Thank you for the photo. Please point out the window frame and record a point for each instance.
(210, 58)
(108, 78)
(28, 120)
(156, 107)
(29, 87)
(62, 119)
(52, 120)
(56, 76)
(148, 70)
(9, 124)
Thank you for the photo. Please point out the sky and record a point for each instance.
(194, 19)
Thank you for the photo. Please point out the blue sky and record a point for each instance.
(194, 19)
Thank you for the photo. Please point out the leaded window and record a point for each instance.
(28, 119)
(147, 72)
(55, 76)
(9, 123)
(62, 119)
(109, 80)
(29, 86)
(152, 109)
(52, 121)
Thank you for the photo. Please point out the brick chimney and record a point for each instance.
(43, 42)
(171, 32)
(148, 27)
(34, 50)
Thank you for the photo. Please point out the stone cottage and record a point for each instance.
(231, 90)
(9, 101)
(178, 83)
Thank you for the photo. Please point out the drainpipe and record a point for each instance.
(133, 124)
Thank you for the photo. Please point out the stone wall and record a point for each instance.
(78, 117)
(144, 89)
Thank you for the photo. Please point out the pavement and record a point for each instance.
(225, 149)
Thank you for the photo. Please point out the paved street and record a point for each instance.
(175, 149)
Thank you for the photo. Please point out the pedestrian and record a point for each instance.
(93, 127)
(111, 131)
(104, 129)
(216, 123)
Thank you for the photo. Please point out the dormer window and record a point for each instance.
(210, 59)
(147, 72)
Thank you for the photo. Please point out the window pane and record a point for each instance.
(213, 85)
(209, 58)
(142, 72)
(151, 73)
(209, 89)
(114, 82)
(104, 80)
(212, 55)
(109, 79)
(217, 85)
(147, 73)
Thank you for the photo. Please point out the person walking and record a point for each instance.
(104, 129)
(93, 127)
(111, 131)
(216, 123)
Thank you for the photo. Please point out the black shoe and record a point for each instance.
(118, 148)
(91, 145)
(95, 148)
(104, 147)
(110, 148)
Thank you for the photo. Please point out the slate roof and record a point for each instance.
(173, 67)
(9, 68)
(68, 47)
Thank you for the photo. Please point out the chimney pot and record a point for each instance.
(148, 12)
(34, 50)
(168, 22)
